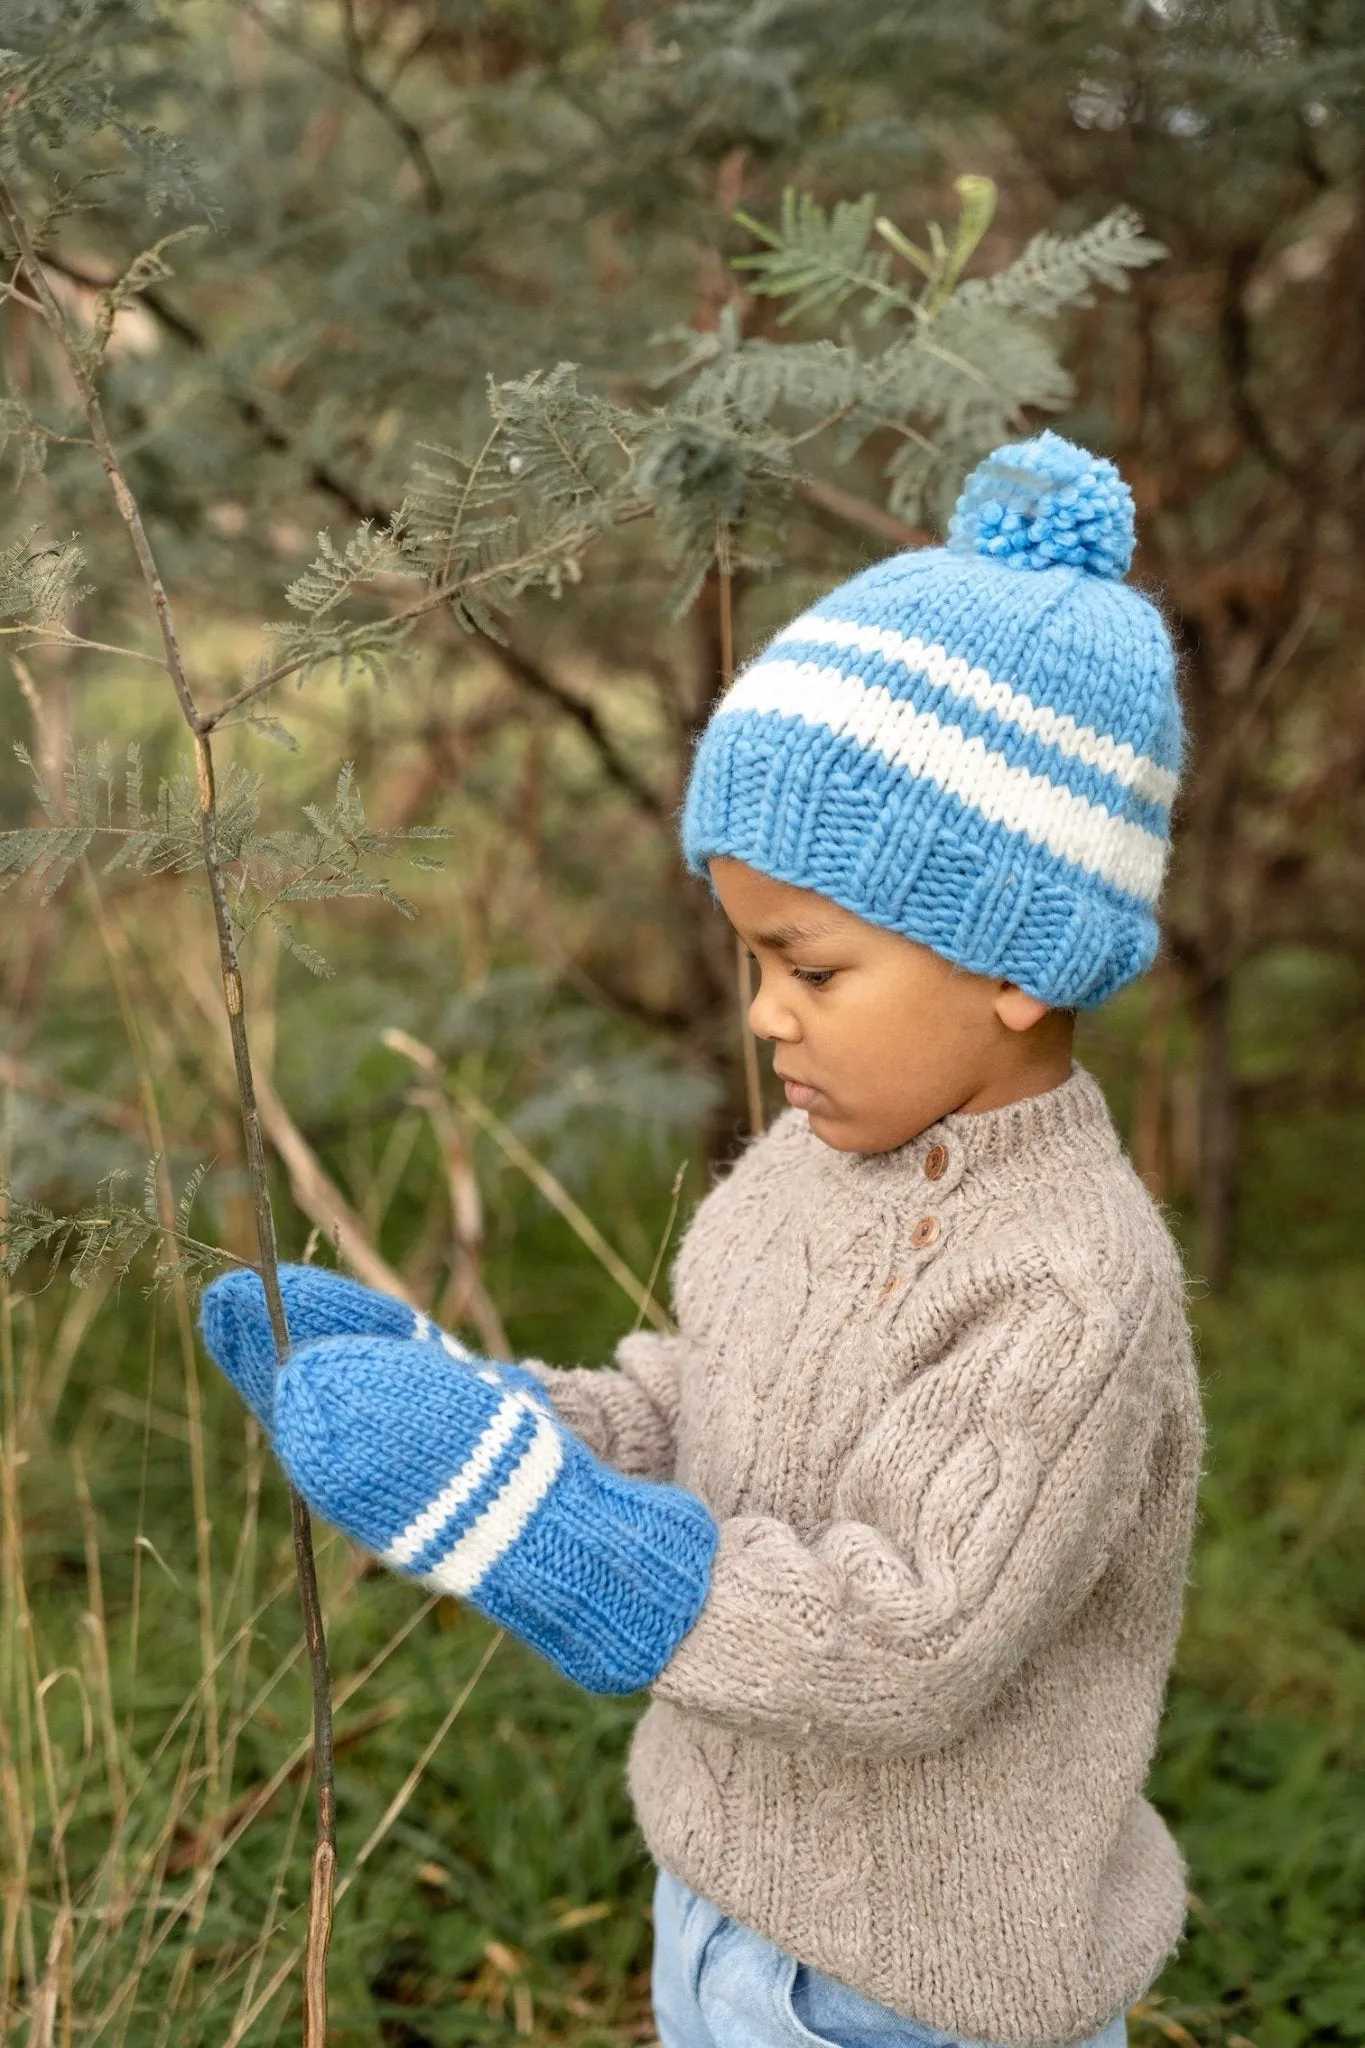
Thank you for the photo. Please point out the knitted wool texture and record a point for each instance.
(455, 1471)
(954, 1470)
(976, 746)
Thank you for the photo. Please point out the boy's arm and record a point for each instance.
(628, 1416)
(976, 1512)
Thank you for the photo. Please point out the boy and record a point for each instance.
(896, 1527)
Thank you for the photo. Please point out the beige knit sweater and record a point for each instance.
(943, 1405)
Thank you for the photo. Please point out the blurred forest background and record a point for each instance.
(496, 1068)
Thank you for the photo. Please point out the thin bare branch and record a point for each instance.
(434, 600)
(851, 510)
(533, 676)
(61, 636)
(316, 1193)
(354, 74)
(539, 1176)
(82, 372)
(104, 448)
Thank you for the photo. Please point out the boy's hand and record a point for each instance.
(467, 1482)
(236, 1326)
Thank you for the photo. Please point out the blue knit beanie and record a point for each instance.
(975, 745)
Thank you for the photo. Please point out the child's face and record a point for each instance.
(875, 1036)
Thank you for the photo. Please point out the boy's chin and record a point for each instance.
(842, 1134)
(856, 1134)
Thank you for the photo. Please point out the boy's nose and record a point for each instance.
(770, 1018)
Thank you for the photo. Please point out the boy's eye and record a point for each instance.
(814, 977)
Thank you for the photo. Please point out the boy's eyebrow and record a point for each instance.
(780, 936)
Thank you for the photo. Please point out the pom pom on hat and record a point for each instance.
(1045, 503)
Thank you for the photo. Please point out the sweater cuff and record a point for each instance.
(725, 1666)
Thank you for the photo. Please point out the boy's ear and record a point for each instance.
(1017, 1010)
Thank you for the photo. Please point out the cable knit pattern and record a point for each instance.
(954, 1470)
(976, 746)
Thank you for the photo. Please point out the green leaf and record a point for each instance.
(821, 261)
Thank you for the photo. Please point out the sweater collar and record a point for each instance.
(992, 1144)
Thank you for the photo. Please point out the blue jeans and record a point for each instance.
(720, 1985)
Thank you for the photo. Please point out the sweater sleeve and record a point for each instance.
(626, 1414)
(973, 1516)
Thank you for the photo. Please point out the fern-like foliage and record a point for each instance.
(330, 858)
(332, 578)
(39, 579)
(717, 487)
(963, 361)
(110, 1236)
(476, 532)
(944, 367)
(1056, 271)
(821, 261)
(56, 97)
(553, 472)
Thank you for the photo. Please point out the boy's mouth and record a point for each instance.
(800, 1094)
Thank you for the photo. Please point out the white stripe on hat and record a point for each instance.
(466, 1482)
(950, 672)
(503, 1520)
(1070, 827)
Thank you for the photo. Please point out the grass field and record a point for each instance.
(153, 1709)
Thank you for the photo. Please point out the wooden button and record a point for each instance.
(935, 1162)
(924, 1233)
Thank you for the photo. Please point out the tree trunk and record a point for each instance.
(1217, 1186)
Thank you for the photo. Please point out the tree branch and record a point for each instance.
(854, 511)
(313, 1188)
(354, 74)
(82, 371)
(247, 404)
(541, 683)
(123, 497)
(15, 1074)
(1235, 332)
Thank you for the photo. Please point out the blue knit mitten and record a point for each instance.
(236, 1327)
(460, 1475)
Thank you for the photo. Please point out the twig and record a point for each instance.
(83, 373)
(753, 1087)
(246, 2020)
(320, 1199)
(353, 73)
(25, 1080)
(436, 598)
(59, 636)
(854, 511)
(540, 1177)
(408, 133)
(536, 678)
(413, 1779)
(466, 1207)
(662, 1253)
(312, 1187)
